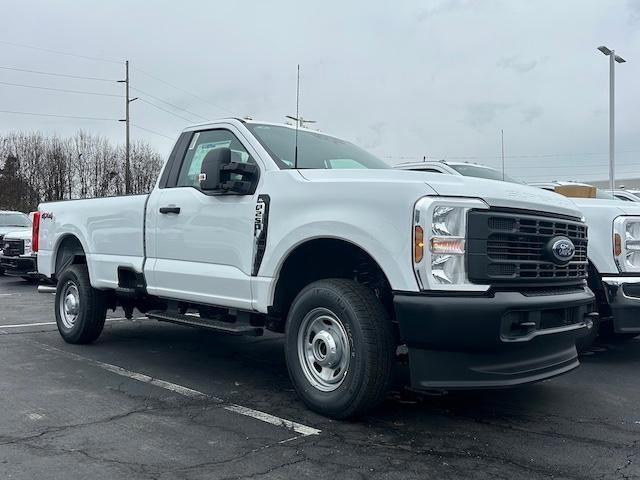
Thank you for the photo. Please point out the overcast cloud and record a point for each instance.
(404, 79)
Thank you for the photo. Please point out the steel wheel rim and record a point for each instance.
(69, 304)
(324, 350)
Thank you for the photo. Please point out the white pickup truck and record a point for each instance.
(614, 248)
(255, 225)
(614, 259)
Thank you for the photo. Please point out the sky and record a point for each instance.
(403, 79)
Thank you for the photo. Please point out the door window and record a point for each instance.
(201, 144)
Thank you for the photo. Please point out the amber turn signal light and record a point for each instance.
(617, 245)
(418, 244)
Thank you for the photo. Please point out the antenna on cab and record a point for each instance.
(300, 122)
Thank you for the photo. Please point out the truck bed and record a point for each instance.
(111, 231)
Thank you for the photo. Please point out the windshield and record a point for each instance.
(14, 220)
(482, 172)
(315, 150)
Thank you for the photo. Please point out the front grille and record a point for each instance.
(506, 247)
(546, 291)
(12, 248)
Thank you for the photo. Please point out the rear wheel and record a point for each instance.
(339, 348)
(80, 309)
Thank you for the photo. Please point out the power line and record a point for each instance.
(587, 165)
(165, 110)
(58, 52)
(82, 92)
(418, 158)
(39, 72)
(58, 116)
(106, 79)
(151, 131)
(170, 104)
(574, 174)
(543, 155)
(183, 90)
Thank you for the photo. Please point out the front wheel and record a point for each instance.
(339, 348)
(80, 309)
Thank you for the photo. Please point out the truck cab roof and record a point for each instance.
(244, 121)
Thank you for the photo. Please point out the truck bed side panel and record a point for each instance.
(109, 229)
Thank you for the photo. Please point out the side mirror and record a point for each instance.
(211, 168)
(219, 173)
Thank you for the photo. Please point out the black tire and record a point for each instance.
(619, 337)
(608, 334)
(368, 334)
(91, 307)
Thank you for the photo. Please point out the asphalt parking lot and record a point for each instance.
(158, 401)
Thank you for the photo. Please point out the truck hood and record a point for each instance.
(503, 194)
(17, 235)
(614, 207)
(6, 230)
(494, 193)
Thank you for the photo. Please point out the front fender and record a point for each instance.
(393, 257)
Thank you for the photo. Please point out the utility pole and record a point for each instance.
(502, 142)
(127, 160)
(612, 59)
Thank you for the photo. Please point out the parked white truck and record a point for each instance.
(613, 252)
(614, 258)
(255, 225)
(16, 257)
(10, 222)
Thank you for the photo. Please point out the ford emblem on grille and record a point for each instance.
(561, 250)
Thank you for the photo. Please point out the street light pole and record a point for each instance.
(612, 59)
(612, 127)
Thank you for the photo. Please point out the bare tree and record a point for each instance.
(34, 168)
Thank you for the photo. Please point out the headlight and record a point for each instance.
(626, 243)
(27, 247)
(439, 243)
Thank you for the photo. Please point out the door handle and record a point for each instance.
(175, 210)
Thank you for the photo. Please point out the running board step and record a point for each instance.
(195, 321)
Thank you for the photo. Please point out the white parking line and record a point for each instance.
(41, 324)
(19, 325)
(273, 420)
(299, 428)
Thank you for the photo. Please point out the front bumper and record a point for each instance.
(22, 266)
(623, 296)
(501, 340)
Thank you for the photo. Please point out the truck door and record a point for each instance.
(200, 245)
